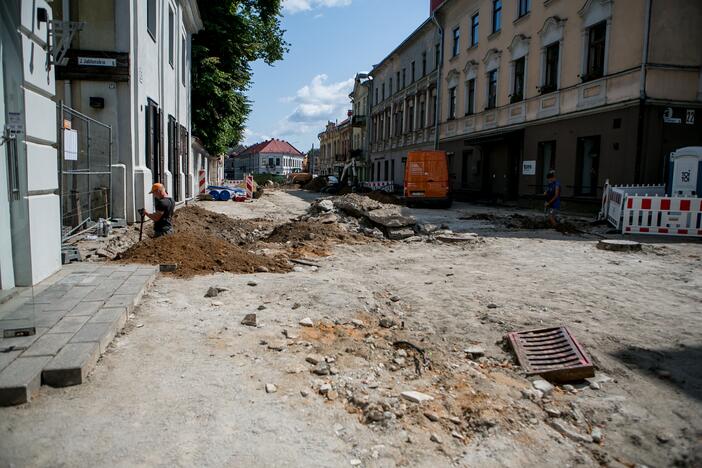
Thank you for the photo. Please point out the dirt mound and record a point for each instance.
(517, 221)
(299, 231)
(479, 217)
(384, 197)
(316, 184)
(195, 219)
(200, 253)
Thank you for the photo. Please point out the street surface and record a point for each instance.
(185, 384)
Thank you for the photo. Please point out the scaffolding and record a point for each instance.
(85, 175)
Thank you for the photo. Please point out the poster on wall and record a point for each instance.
(528, 167)
(70, 144)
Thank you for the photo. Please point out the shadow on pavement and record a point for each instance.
(680, 368)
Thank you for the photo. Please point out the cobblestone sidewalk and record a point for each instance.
(77, 313)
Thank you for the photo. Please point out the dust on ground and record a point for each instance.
(389, 317)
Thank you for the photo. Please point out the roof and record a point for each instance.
(271, 146)
(402, 44)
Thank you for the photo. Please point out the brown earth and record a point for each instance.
(200, 253)
(384, 197)
(237, 231)
(316, 184)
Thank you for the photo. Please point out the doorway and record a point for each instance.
(154, 160)
(588, 166)
(546, 162)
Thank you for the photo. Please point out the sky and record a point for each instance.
(330, 41)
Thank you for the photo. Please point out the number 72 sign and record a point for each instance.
(690, 117)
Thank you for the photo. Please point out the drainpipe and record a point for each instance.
(642, 94)
(66, 13)
(437, 109)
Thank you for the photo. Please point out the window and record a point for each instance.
(171, 37)
(390, 88)
(433, 107)
(452, 103)
(412, 72)
(437, 56)
(422, 113)
(410, 119)
(456, 42)
(183, 65)
(586, 178)
(492, 90)
(424, 64)
(277, 161)
(376, 95)
(404, 77)
(596, 51)
(470, 96)
(551, 71)
(387, 168)
(383, 91)
(474, 29)
(496, 15)
(518, 90)
(524, 7)
(151, 18)
(546, 162)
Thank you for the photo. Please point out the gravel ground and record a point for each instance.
(185, 383)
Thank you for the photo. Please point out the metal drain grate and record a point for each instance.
(552, 353)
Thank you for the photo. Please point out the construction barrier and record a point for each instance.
(384, 185)
(614, 197)
(249, 186)
(203, 181)
(671, 216)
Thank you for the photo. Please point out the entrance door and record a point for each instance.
(153, 141)
(546, 162)
(588, 166)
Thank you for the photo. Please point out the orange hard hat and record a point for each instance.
(156, 187)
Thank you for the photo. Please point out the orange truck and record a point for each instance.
(426, 179)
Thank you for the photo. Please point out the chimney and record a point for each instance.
(434, 4)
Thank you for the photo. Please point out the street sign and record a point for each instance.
(528, 167)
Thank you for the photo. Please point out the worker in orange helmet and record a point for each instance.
(164, 207)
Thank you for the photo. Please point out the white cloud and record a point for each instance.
(315, 104)
(296, 6)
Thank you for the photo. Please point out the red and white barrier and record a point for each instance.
(384, 185)
(671, 216)
(614, 197)
(249, 186)
(203, 180)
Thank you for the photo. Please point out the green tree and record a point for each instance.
(236, 33)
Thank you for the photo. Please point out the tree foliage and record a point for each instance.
(236, 33)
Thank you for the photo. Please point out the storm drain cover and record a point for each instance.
(552, 353)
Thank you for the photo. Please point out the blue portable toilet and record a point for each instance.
(685, 172)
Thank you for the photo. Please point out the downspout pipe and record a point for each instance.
(638, 162)
(437, 109)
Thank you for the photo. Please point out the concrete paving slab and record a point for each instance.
(123, 300)
(101, 333)
(70, 324)
(49, 319)
(117, 315)
(85, 308)
(7, 357)
(15, 323)
(22, 342)
(65, 304)
(48, 345)
(72, 365)
(21, 379)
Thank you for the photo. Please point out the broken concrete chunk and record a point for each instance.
(435, 438)
(386, 322)
(474, 352)
(399, 233)
(391, 218)
(252, 283)
(306, 322)
(416, 397)
(563, 428)
(325, 388)
(271, 388)
(249, 320)
(212, 292)
(431, 416)
(325, 205)
(314, 359)
(545, 387)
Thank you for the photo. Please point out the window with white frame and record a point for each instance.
(171, 37)
(519, 70)
(474, 29)
(470, 96)
(491, 89)
(452, 103)
(596, 23)
(551, 68)
(496, 15)
(596, 37)
(455, 50)
(523, 7)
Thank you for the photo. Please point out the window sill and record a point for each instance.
(454, 58)
(522, 18)
(450, 119)
(468, 114)
(494, 35)
(473, 47)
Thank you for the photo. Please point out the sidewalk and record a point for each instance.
(77, 313)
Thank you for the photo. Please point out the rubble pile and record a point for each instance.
(201, 253)
(379, 220)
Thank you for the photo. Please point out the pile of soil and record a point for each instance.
(301, 231)
(517, 221)
(200, 253)
(316, 184)
(237, 231)
(384, 197)
(479, 217)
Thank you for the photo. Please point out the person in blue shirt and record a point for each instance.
(552, 205)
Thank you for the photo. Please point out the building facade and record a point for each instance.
(30, 227)
(128, 66)
(360, 104)
(403, 103)
(269, 157)
(595, 89)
